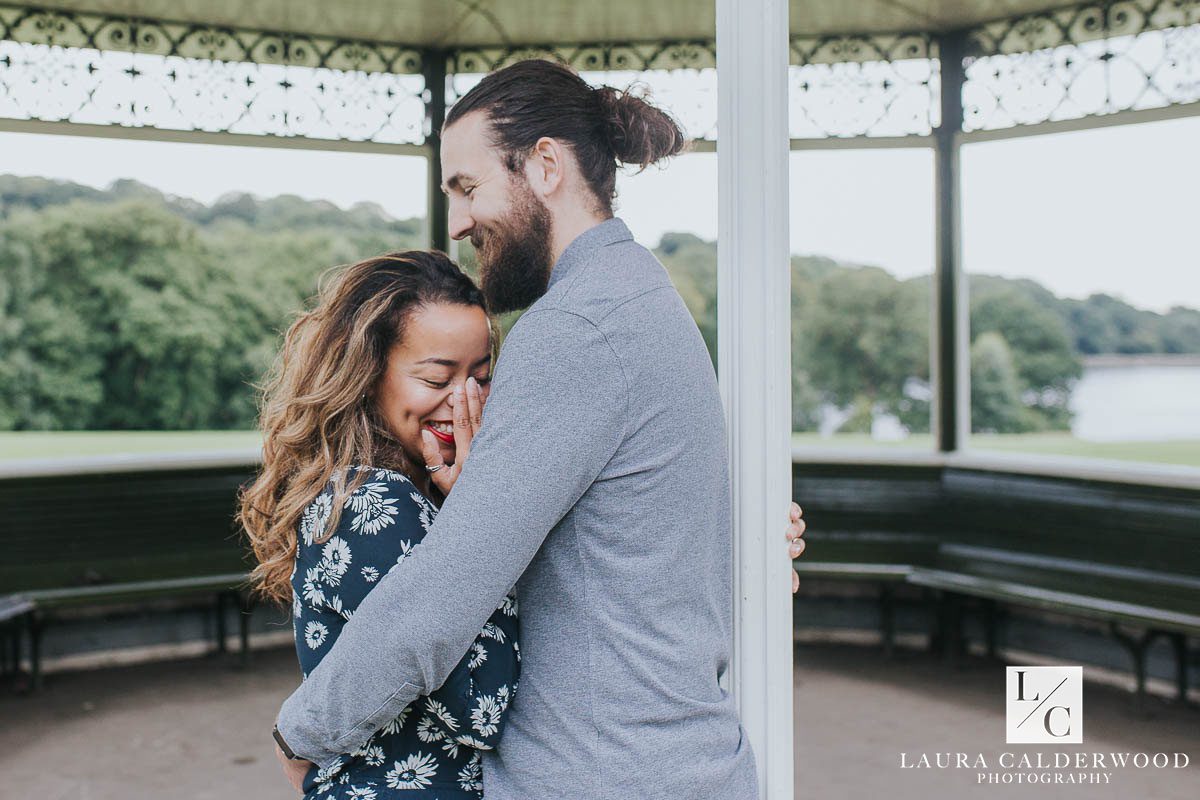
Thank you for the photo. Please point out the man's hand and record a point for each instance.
(795, 531)
(294, 770)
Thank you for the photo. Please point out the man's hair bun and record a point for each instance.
(638, 132)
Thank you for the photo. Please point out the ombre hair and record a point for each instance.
(318, 412)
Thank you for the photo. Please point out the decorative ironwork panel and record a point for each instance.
(679, 76)
(846, 86)
(139, 73)
(697, 55)
(1084, 61)
(840, 86)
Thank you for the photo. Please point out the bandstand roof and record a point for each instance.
(489, 23)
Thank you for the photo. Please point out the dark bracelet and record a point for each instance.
(283, 745)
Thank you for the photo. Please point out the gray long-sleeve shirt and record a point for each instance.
(598, 484)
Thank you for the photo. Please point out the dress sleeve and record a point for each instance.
(380, 523)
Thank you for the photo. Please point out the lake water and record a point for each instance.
(1137, 403)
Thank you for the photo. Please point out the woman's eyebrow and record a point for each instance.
(449, 362)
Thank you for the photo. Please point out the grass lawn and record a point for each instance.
(49, 444)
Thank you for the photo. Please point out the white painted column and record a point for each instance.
(754, 344)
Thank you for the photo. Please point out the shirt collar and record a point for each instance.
(577, 252)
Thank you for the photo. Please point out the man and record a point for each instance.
(598, 483)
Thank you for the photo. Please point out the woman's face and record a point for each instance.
(444, 344)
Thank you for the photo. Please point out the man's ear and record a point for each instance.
(545, 167)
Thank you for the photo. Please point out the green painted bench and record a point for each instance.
(119, 539)
(1122, 553)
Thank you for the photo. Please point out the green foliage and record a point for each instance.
(151, 313)
(1029, 321)
(692, 265)
(995, 388)
(130, 309)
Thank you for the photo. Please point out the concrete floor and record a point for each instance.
(199, 729)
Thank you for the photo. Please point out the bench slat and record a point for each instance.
(1066, 602)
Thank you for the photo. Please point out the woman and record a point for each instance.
(388, 373)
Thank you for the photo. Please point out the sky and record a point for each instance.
(1112, 210)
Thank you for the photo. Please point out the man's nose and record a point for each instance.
(460, 221)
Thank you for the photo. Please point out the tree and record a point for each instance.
(1045, 361)
(862, 336)
(996, 405)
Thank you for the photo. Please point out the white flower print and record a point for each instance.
(491, 631)
(413, 772)
(451, 747)
(440, 711)
(297, 609)
(362, 751)
(470, 777)
(314, 634)
(334, 604)
(373, 755)
(397, 722)
(406, 550)
(485, 718)
(335, 560)
(427, 730)
(517, 653)
(313, 593)
(427, 511)
(361, 793)
(373, 511)
(472, 742)
(503, 697)
(316, 515)
(325, 773)
(509, 607)
(391, 475)
(478, 655)
(370, 574)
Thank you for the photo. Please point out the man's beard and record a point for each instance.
(514, 253)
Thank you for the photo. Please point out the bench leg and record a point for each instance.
(1179, 643)
(887, 618)
(949, 637)
(245, 609)
(8, 660)
(990, 626)
(14, 640)
(221, 634)
(1137, 646)
(36, 626)
(937, 635)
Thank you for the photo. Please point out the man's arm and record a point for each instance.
(555, 417)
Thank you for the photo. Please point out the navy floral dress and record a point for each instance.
(431, 750)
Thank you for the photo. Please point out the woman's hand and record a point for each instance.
(468, 416)
(795, 531)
